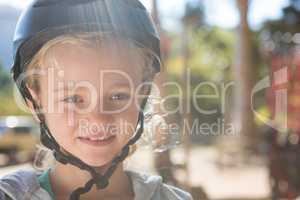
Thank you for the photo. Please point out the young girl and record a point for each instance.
(84, 68)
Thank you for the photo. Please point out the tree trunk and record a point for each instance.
(243, 73)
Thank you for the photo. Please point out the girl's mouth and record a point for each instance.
(97, 141)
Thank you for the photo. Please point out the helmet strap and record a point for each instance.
(101, 181)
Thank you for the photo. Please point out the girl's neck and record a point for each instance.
(66, 178)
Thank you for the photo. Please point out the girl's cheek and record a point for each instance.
(62, 122)
(127, 124)
(65, 114)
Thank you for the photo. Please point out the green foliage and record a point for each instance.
(211, 53)
(7, 101)
(9, 107)
(5, 81)
(209, 58)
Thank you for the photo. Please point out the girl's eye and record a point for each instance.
(119, 97)
(73, 99)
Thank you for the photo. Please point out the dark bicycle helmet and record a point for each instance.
(45, 20)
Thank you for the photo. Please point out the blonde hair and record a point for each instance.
(44, 157)
(89, 40)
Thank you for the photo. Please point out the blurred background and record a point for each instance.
(245, 56)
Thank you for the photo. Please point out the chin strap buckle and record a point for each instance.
(101, 182)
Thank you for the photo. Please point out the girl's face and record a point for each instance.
(91, 99)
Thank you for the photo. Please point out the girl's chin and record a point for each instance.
(96, 162)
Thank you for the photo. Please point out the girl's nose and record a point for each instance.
(99, 117)
(96, 123)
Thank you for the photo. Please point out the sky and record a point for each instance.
(221, 14)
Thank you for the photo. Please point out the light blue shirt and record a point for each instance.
(24, 185)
